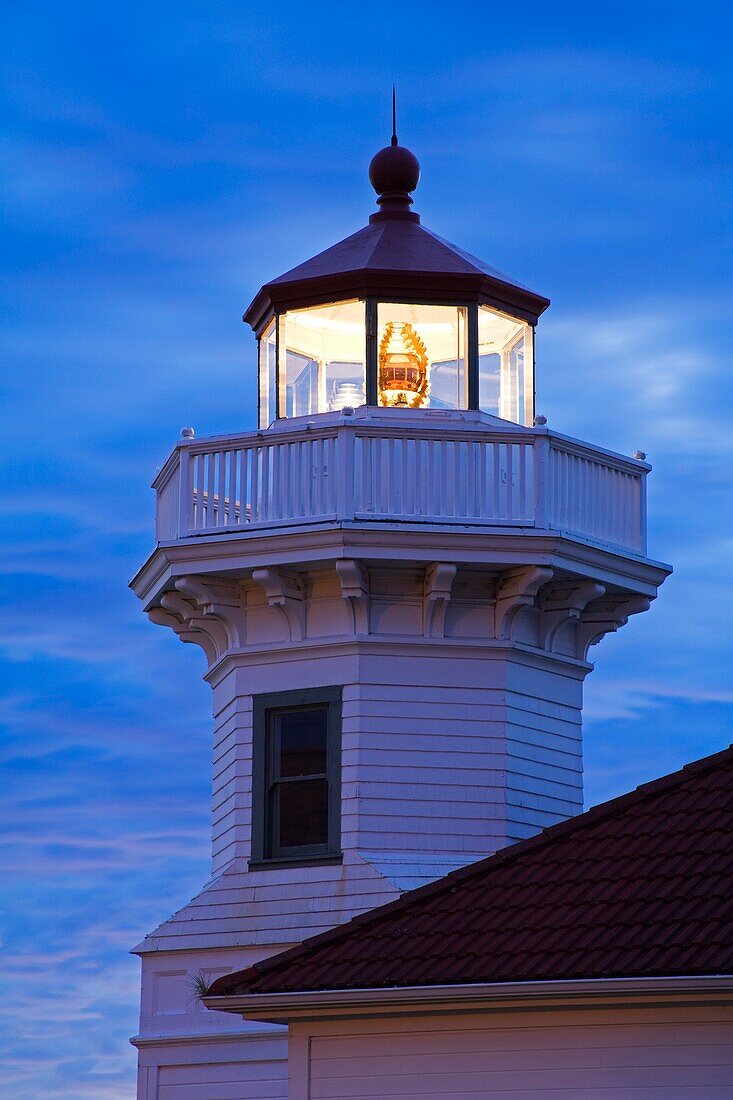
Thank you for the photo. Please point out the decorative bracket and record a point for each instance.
(181, 627)
(605, 619)
(285, 592)
(355, 590)
(209, 625)
(220, 601)
(438, 584)
(206, 612)
(564, 604)
(517, 589)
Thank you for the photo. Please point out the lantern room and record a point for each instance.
(395, 316)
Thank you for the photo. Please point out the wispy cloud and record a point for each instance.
(155, 175)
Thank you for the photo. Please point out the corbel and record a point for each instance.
(517, 589)
(355, 590)
(605, 619)
(284, 591)
(439, 577)
(177, 604)
(161, 617)
(564, 604)
(217, 600)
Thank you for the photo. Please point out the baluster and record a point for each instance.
(344, 456)
(290, 455)
(408, 477)
(249, 486)
(316, 452)
(496, 478)
(386, 476)
(263, 487)
(455, 476)
(221, 477)
(232, 507)
(242, 456)
(522, 475)
(186, 518)
(197, 495)
(305, 479)
(482, 503)
(509, 447)
(430, 475)
(209, 496)
(366, 504)
(630, 514)
(463, 473)
(443, 478)
(565, 488)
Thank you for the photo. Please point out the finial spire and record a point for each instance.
(394, 173)
(394, 117)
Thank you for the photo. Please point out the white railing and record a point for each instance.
(356, 470)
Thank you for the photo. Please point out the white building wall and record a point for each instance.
(220, 1068)
(451, 749)
(439, 767)
(680, 1053)
(232, 773)
(460, 734)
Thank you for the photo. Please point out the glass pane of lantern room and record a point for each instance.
(422, 356)
(267, 376)
(506, 366)
(322, 353)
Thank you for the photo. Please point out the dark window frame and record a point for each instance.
(265, 850)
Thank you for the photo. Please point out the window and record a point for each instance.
(322, 360)
(422, 357)
(505, 364)
(296, 775)
(268, 370)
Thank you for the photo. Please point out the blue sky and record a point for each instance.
(161, 161)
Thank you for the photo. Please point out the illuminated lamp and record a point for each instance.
(403, 367)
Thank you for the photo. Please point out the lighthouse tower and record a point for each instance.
(395, 581)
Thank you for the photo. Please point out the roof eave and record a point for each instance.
(282, 1008)
(426, 286)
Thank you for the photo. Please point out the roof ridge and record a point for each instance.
(285, 276)
(516, 851)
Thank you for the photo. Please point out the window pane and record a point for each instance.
(512, 385)
(505, 366)
(300, 742)
(303, 816)
(489, 383)
(267, 368)
(301, 384)
(422, 360)
(322, 356)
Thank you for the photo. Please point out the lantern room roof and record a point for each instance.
(394, 256)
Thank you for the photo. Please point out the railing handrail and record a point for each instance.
(311, 474)
(602, 455)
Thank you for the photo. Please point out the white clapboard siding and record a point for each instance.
(275, 906)
(223, 1081)
(451, 771)
(475, 759)
(679, 1053)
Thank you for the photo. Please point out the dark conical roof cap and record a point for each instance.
(393, 255)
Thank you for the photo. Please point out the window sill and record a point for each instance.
(295, 861)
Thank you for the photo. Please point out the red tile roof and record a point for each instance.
(639, 886)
